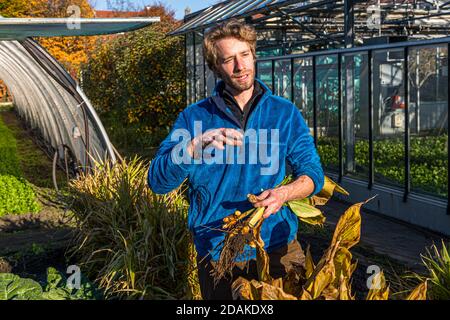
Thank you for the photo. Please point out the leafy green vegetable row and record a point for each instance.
(16, 194)
(13, 287)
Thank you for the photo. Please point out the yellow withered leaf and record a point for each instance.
(327, 192)
(262, 258)
(348, 228)
(259, 290)
(344, 259)
(277, 283)
(378, 288)
(242, 289)
(419, 292)
(309, 263)
(321, 280)
(305, 295)
(343, 265)
(269, 292)
(293, 281)
(316, 221)
(324, 273)
(330, 293)
(345, 292)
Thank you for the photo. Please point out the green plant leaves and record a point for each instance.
(437, 263)
(12, 287)
(16, 194)
(306, 212)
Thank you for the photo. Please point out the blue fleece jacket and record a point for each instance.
(220, 181)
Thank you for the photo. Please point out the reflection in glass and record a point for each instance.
(327, 111)
(283, 79)
(355, 100)
(389, 117)
(428, 114)
(210, 81)
(303, 89)
(265, 73)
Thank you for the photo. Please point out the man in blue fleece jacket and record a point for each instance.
(232, 144)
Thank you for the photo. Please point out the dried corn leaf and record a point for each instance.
(419, 293)
(315, 221)
(269, 292)
(378, 288)
(330, 293)
(321, 280)
(278, 283)
(343, 271)
(262, 258)
(345, 292)
(343, 264)
(309, 263)
(259, 290)
(293, 282)
(348, 228)
(242, 289)
(327, 191)
(325, 272)
(305, 295)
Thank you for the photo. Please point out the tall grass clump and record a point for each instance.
(437, 263)
(132, 242)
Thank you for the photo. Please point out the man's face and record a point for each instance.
(236, 64)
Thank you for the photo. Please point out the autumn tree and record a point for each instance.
(137, 83)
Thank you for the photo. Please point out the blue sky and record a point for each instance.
(177, 5)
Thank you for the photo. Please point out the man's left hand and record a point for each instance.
(273, 199)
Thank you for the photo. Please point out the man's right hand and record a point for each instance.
(216, 138)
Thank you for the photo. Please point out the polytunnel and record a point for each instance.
(46, 97)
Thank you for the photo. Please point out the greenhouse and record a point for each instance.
(371, 80)
(46, 96)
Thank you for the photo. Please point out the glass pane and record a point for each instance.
(283, 79)
(210, 81)
(389, 117)
(327, 111)
(190, 97)
(355, 99)
(428, 116)
(264, 71)
(199, 70)
(303, 90)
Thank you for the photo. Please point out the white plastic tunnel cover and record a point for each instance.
(46, 96)
(51, 102)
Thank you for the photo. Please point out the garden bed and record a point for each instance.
(34, 231)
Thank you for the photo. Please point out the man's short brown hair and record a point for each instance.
(228, 29)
